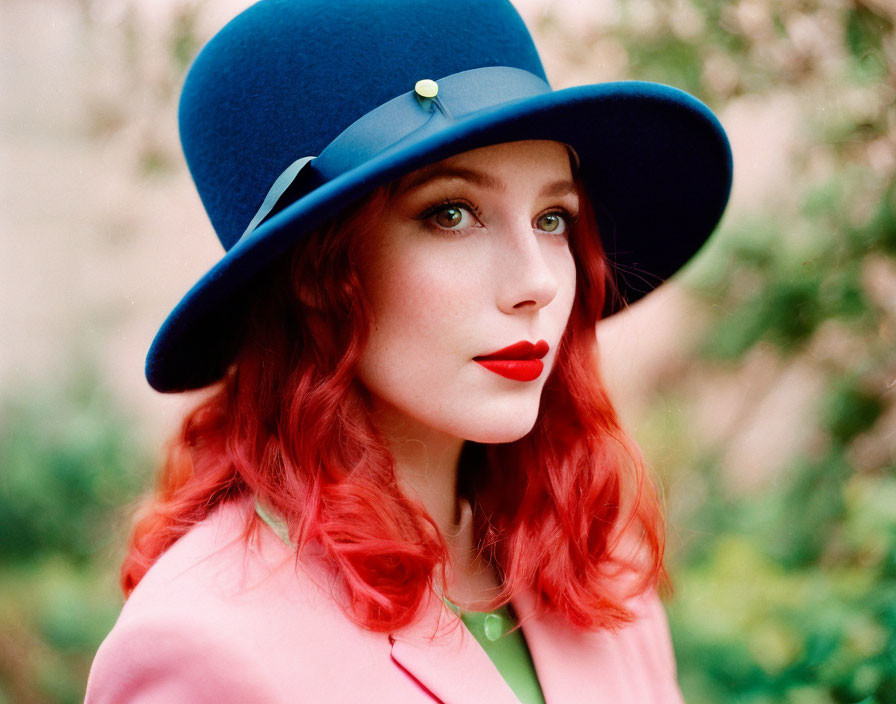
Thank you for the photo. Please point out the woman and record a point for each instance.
(406, 424)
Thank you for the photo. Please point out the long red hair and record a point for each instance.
(567, 511)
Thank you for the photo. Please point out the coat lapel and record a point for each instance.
(442, 655)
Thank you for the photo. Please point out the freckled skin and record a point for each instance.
(471, 278)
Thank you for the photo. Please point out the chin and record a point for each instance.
(497, 437)
(502, 428)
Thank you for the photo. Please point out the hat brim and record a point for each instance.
(655, 162)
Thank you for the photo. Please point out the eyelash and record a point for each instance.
(435, 209)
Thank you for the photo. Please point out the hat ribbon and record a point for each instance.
(279, 187)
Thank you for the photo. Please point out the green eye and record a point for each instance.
(551, 222)
(449, 217)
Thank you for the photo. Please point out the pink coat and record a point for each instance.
(221, 619)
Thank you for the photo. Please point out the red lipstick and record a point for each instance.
(520, 361)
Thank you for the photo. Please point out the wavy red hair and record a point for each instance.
(567, 511)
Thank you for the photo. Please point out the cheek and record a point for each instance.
(413, 292)
(417, 300)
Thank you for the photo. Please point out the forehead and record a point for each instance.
(497, 164)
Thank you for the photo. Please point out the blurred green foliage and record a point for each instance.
(70, 464)
(787, 592)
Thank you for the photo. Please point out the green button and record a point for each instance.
(426, 88)
(493, 627)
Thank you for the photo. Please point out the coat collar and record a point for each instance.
(443, 656)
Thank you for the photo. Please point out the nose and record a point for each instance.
(527, 282)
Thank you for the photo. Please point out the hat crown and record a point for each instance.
(286, 77)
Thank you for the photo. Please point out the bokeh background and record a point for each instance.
(761, 383)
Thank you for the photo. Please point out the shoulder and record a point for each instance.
(650, 630)
(643, 651)
(222, 616)
(632, 663)
(223, 567)
(147, 659)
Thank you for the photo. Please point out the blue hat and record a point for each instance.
(297, 108)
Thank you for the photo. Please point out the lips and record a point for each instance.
(520, 361)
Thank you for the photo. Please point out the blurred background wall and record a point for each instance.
(761, 383)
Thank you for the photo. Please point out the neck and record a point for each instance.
(426, 467)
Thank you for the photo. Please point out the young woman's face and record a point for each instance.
(471, 258)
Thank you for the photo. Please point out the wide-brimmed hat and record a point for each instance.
(298, 108)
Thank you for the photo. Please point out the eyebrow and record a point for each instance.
(555, 189)
(439, 172)
(559, 188)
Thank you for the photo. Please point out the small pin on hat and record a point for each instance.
(426, 88)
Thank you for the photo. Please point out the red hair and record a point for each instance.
(568, 510)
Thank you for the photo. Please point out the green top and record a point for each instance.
(507, 649)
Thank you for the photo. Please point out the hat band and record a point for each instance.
(410, 116)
